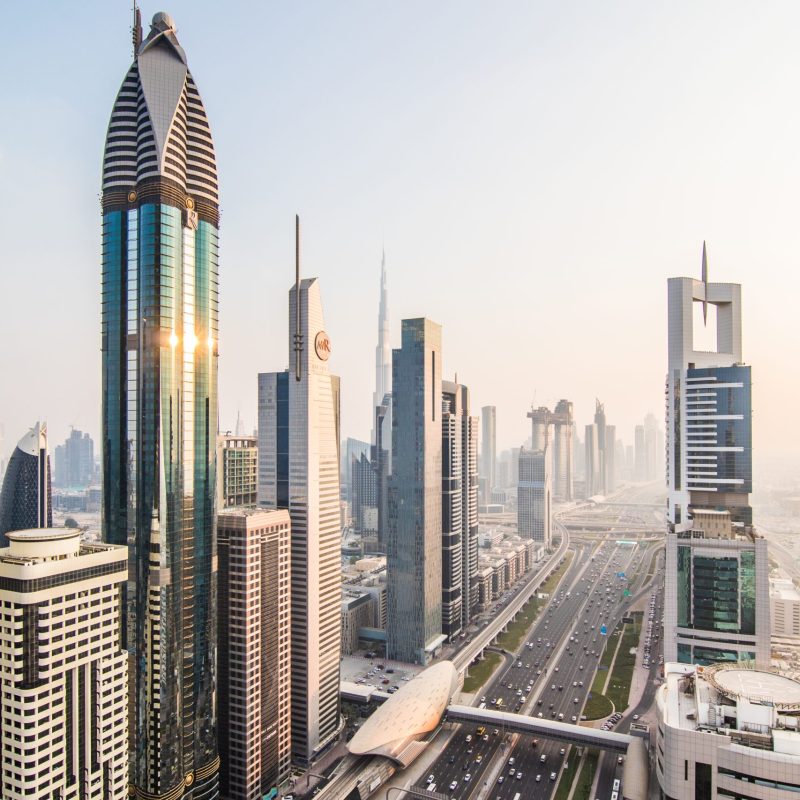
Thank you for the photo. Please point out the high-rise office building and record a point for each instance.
(364, 495)
(383, 350)
(381, 456)
(159, 408)
(716, 593)
(237, 471)
(534, 495)
(298, 431)
(64, 714)
(414, 563)
(74, 461)
(25, 501)
(254, 659)
(352, 451)
(459, 509)
(709, 450)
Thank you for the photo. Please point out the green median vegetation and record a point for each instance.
(479, 673)
(619, 686)
(578, 773)
(518, 629)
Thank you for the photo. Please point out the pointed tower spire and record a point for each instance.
(383, 352)
(705, 284)
(298, 337)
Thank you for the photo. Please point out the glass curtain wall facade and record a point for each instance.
(26, 497)
(719, 447)
(414, 558)
(159, 405)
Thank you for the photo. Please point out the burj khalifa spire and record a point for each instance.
(383, 350)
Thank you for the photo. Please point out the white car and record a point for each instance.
(467, 778)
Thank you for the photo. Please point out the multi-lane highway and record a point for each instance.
(549, 676)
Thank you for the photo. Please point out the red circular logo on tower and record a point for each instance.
(322, 346)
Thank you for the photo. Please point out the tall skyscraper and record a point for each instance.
(383, 352)
(254, 651)
(74, 461)
(381, 456)
(717, 594)
(534, 495)
(159, 408)
(299, 470)
(65, 668)
(364, 496)
(488, 456)
(709, 450)
(459, 509)
(414, 563)
(25, 501)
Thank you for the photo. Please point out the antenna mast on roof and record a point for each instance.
(298, 337)
(136, 31)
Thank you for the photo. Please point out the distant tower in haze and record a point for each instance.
(640, 454)
(488, 457)
(553, 430)
(414, 565)
(562, 450)
(383, 351)
(25, 501)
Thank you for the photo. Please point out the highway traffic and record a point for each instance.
(550, 677)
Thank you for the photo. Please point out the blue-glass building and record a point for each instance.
(25, 499)
(718, 440)
(159, 406)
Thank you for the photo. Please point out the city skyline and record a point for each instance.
(704, 190)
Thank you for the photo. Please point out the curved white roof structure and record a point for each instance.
(397, 729)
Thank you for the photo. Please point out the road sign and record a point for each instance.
(603, 630)
(626, 593)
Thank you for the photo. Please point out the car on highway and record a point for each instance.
(552, 776)
(467, 778)
(453, 785)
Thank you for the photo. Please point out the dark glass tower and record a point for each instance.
(26, 495)
(159, 345)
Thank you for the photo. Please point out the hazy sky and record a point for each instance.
(536, 172)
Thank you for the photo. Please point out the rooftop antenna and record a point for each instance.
(136, 31)
(298, 337)
(704, 276)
